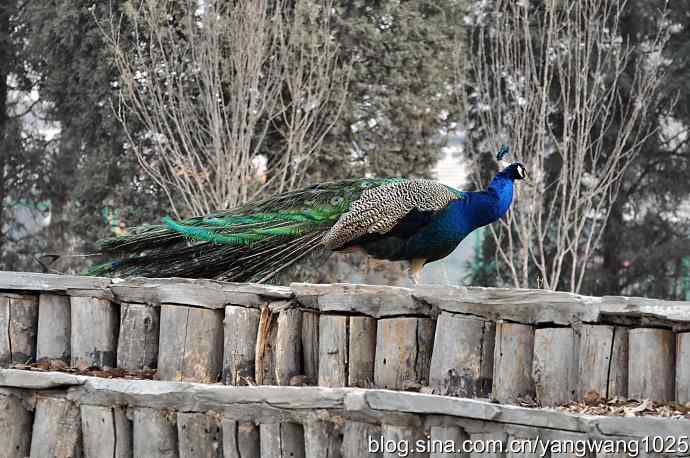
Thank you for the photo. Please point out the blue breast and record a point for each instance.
(462, 216)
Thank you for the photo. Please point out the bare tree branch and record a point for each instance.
(209, 84)
(549, 83)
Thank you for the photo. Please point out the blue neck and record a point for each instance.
(477, 209)
(501, 189)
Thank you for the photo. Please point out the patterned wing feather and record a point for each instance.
(379, 209)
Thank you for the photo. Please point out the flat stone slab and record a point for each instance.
(372, 300)
(279, 403)
(528, 306)
(30, 281)
(16, 378)
(199, 292)
(154, 291)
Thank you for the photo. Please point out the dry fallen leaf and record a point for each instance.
(57, 365)
(592, 397)
(621, 407)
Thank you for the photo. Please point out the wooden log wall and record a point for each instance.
(510, 345)
(60, 415)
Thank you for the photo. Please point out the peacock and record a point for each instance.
(396, 219)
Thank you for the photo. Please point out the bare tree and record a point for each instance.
(209, 80)
(549, 80)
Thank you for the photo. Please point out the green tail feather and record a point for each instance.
(249, 243)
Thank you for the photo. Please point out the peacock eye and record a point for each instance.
(337, 200)
(364, 184)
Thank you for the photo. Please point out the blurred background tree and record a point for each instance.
(648, 207)
(646, 246)
(86, 171)
(400, 105)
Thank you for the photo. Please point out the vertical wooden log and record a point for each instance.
(618, 371)
(240, 329)
(137, 345)
(403, 352)
(426, 330)
(513, 362)
(18, 326)
(321, 440)
(445, 440)
(93, 337)
(361, 439)
(362, 348)
(57, 429)
(106, 431)
(282, 440)
(683, 368)
(487, 367)
(594, 359)
(191, 344)
(292, 440)
(461, 348)
(203, 352)
(15, 426)
(199, 435)
(602, 361)
(651, 359)
(265, 341)
(310, 346)
(288, 346)
(5, 342)
(333, 351)
(554, 366)
(124, 443)
(400, 441)
(269, 434)
(240, 440)
(23, 327)
(155, 434)
(53, 339)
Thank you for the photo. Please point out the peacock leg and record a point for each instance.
(415, 269)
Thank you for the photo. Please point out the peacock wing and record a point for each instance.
(379, 210)
(310, 210)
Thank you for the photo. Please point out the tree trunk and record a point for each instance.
(61, 186)
(5, 53)
(611, 247)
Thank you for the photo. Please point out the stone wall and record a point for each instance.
(524, 347)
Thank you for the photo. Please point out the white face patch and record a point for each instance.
(521, 171)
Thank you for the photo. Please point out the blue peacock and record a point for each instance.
(396, 219)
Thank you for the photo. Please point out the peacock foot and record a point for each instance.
(415, 270)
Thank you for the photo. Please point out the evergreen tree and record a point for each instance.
(87, 169)
(20, 161)
(648, 233)
(401, 99)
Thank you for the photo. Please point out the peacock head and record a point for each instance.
(515, 171)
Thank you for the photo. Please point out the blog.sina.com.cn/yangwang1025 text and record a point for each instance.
(537, 445)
